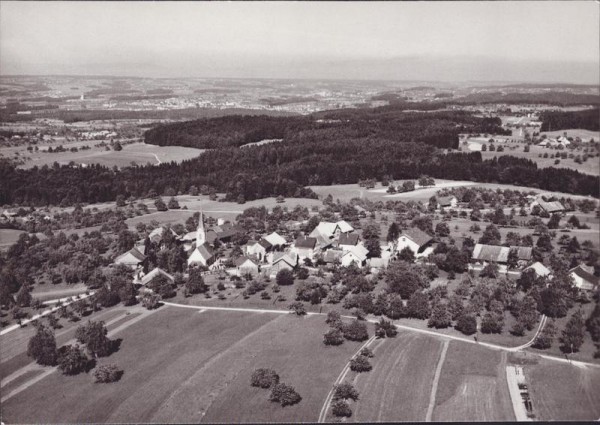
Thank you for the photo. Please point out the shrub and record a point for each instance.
(42, 347)
(284, 394)
(355, 331)
(467, 324)
(284, 277)
(264, 378)
(107, 373)
(367, 352)
(297, 308)
(340, 409)
(492, 323)
(150, 301)
(333, 337)
(72, 360)
(385, 328)
(345, 391)
(360, 364)
(334, 319)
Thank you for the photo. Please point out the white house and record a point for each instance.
(246, 265)
(447, 202)
(258, 249)
(348, 240)
(283, 260)
(415, 239)
(145, 279)
(305, 247)
(539, 269)
(356, 255)
(275, 239)
(132, 258)
(583, 277)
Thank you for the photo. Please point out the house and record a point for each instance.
(157, 234)
(333, 256)
(258, 249)
(345, 227)
(145, 279)
(415, 239)
(584, 278)
(223, 233)
(331, 230)
(347, 240)
(483, 254)
(447, 202)
(247, 265)
(132, 258)
(550, 207)
(283, 260)
(305, 247)
(356, 255)
(276, 240)
(539, 269)
(188, 240)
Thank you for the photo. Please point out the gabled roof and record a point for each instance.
(265, 243)
(241, 260)
(345, 227)
(130, 257)
(190, 236)
(550, 207)
(275, 239)
(156, 272)
(205, 251)
(358, 251)
(417, 236)
(156, 234)
(290, 258)
(304, 242)
(499, 254)
(585, 275)
(332, 254)
(445, 200)
(323, 242)
(348, 239)
(324, 228)
(539, 269)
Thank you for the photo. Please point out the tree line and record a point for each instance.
(587, 119)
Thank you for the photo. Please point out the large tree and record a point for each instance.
(42, 347)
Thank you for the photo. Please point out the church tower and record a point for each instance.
(200, 233)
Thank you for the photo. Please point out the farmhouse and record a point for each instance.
(276, 240)
(258, 249)
(283, 260)
(347, 240)
(148, 277)
(539, 269)
(356, 255)
(550, 207)
(132, 258)
(415, 239)
(331, 230)
(583, 277)
(499, 254)
(222, 233)
(447, 202)
(305, 247)
(157, 234)
(247, 265)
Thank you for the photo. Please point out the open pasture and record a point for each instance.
(472, 386)
(564, 392)
(399, 386)
(9, 237)
(184, 365)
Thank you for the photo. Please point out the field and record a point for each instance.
(584, 135)
(564, 392)
(8, 237)
(140, 153)
(472, 386)
(191, 367)
(399, 386)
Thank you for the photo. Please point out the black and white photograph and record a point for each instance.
(299, 211)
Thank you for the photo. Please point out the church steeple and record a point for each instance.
(200, 233)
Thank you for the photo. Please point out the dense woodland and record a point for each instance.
(588, 119)
(336, 147)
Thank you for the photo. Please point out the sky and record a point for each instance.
(463, 41)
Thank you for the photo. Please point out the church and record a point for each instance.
(203, 254)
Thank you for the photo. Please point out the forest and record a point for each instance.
(588, 119)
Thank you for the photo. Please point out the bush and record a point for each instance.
(355, 331)
(264, 378)
(297, 308)
(284, 394)
(340, 409)
(72, 360)
(367, 352)
(345, 391)
(385, 328)
(333, 337)
(467, 324)
(334, 319)
(107, 373)
(150, 301)
(360, 364)
(42, 347)
(492, 323)
(284, 277)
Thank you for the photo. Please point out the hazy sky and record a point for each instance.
(546, 41)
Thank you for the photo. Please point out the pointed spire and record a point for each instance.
(200, 233)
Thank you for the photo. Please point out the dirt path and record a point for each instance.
(339, 380)
(436, 380)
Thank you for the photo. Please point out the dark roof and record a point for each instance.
(417, 236)
(585, 275)
(265, 243)
(332, 255)
(348, 239)
(243, 259)
(554, 206)
(303, 242)
(498, 253)
(206, 251)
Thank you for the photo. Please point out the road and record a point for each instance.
(436, 380)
